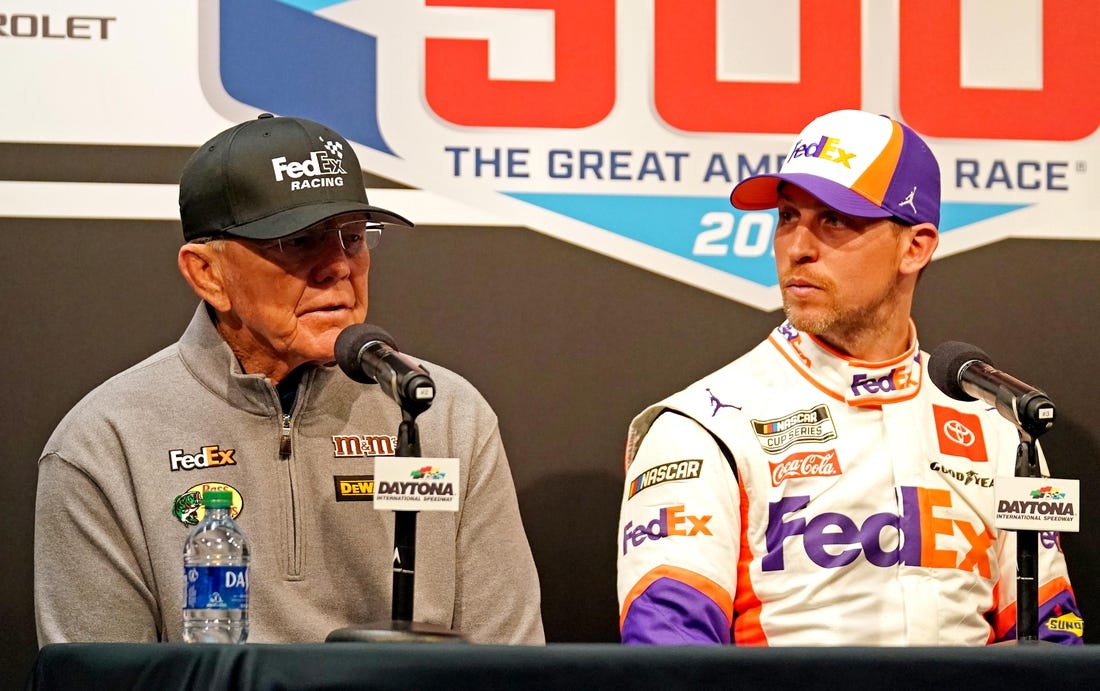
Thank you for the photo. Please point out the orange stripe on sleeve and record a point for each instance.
(697, 581)
(1006, 618)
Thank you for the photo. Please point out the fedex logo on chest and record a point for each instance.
(897, 379)
(911, 538)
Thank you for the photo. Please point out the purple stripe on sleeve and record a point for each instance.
(673, 613)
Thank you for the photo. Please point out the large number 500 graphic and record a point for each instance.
(688, 96)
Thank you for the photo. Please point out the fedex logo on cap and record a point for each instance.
(827, 148)
(320, 169)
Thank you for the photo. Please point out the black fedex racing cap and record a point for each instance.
(271, 177)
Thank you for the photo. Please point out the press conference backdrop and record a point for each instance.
(568, 164)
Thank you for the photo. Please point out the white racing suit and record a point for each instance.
(798, 497)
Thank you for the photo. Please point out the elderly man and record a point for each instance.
(278, 238)
(806, 493)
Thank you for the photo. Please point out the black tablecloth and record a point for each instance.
(169, 666)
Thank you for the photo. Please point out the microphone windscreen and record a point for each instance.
(350, 343)
(946, 362)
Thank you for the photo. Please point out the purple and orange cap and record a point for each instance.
(858, 163)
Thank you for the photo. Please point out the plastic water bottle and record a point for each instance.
(215, 576)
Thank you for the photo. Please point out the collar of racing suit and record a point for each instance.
(856, 382)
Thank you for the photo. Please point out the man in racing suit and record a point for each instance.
(819, 490)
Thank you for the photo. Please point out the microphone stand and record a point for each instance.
(401, 628)
(404, 530)
(1027, 550)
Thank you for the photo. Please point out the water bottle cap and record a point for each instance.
(217, 499)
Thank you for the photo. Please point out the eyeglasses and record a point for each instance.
(307, 246)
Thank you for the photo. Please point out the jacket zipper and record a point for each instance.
(284, 439)
(294, 565)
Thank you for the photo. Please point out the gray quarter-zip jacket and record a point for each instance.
(117, 487)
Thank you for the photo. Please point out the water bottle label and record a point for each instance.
(216, 587)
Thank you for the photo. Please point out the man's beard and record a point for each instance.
(837, 323)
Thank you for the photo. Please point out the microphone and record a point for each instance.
(367, 353)
(965, 373)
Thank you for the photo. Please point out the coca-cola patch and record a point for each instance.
(809, 464)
